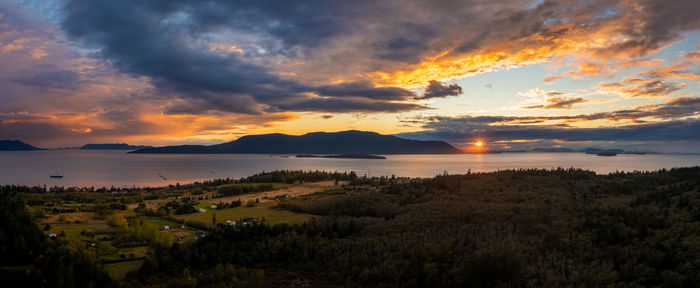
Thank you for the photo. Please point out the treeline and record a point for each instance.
(502, 229)
(293, 176)
(29, 259)
(237, 189)
(370, 204)
(62, 189)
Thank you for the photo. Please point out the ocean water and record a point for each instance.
(119, 169)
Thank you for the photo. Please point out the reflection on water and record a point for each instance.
(106, 168)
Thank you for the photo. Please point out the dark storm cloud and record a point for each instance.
(349, 105)
(366, 90)
(158, 39)
(436, 89)
(166, 40)
(50, 79)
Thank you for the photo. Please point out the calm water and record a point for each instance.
(106, 168)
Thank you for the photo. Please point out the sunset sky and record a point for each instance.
(514, 74)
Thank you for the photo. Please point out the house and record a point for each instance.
(202, 210)
(90, 244)
(53, 236)
(230, 223)
(212, 206)
(165, 227)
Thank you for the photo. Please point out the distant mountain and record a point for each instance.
(552, 149)
(599, 150)
(113, 146)
(615, 151)
(346, 142)
(15, 145)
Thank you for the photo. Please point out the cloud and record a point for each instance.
(593, 33)
(551, 79)
(673, 110)
(366, 90)
(436, 89)
(541, 99)
(681, 130)
(112, 65)
(168, 42)
(12, 117)
(50, 79)
(679, 118)
(349, 105)
(678, 71)
(559, 103)
(641, 88)
(590, 69)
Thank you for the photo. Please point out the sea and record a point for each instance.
(97, 168)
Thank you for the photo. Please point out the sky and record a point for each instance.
(514, 74)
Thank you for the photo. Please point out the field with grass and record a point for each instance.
(272, 216)
(73, 230)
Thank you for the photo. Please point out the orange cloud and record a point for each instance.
(642, 88)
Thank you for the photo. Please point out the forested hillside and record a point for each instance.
(527, 228)
(514, 228)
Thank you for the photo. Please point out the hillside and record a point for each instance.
(15, 145)
(346, 142)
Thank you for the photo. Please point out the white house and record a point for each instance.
(202, 210)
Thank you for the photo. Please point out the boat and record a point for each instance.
(56, 175)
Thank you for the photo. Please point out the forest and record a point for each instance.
(514, 228)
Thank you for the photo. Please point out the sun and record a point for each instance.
(479, 143)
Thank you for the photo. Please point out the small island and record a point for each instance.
(113, 146)
(343, 156)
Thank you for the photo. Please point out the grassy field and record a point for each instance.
(275, 186)
(106, 251)
(73, 230)
(159, 222)
(272, 216)
(119, 270)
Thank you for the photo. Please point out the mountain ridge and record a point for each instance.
(113, 146)
(16, 145)
(344, 142)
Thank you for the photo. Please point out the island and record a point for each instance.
(16, 145)
(112, 146)
(322, 143)
(612, 152)
(342, 156)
